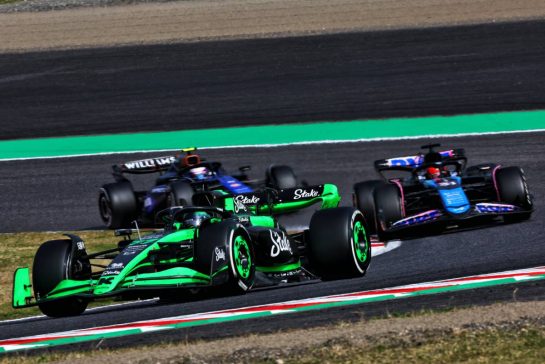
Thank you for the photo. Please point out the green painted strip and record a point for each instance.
(275, 134)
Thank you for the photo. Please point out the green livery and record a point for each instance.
(228, 241)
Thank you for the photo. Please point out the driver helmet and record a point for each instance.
(433, 172)
(200, 173)
(195, 219)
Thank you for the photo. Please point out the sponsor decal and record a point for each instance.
(134, 249)
(405, 161)
(244, 219)
(80, 245)
(220, 254)
(447, 183)
(494, 208)
(241, 201)
(111, 272)
(454, 198)
(149, 163)
(117, 266)
(291, 273)
(413, 160)
(159, 189)
(280, 243)
(302, 193)
(420, 218)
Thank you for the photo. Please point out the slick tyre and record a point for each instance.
(339, 243)
(513, 190)
(364, 200)
(181, 194)
(226, 245)
(55, 261)
(281, 177)
(117, 204)
(388, 208)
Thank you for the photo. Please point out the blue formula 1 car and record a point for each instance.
(180, 178)
(438, 193)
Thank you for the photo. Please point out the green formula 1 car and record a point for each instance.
(229, 242)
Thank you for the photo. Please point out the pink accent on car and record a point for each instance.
(396, 182)
(494, 181)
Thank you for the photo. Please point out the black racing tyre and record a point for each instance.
(364, 200)
(117, 204)
(513, 190)
(388, 208)
(233, 240)
(57, 260)
(281, 177)
(339, 245)
(181, 194)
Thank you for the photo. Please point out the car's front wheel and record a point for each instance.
(512, 189)
(226, 246)
(339, 244)
(55, 261)
(388, 208)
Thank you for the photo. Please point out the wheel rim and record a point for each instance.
(242, 257)
(360, 237)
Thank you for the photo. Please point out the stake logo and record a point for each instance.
(301, 193)
(220, 254)
(280, 243)
(241, 201)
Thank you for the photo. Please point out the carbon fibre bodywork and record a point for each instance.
(456, 198)
(255, 249)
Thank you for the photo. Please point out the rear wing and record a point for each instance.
(270, 201)
(412, 162)
(141, 166)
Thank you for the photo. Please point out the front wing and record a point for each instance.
(435, 217)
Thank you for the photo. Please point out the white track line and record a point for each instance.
(88, 310)
(363, 140)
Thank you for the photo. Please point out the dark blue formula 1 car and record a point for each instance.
(180, 177)
(438, 193)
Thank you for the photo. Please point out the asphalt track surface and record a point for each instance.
(250, 82)
(61, 194)
(485, 250)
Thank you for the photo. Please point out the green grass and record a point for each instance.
(2, 2)
(514, 345)
(18, 250)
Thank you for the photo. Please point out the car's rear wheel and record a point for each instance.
(117, 204)
(281, 177)
(226, 245)
(388, 208)
(339, 245)
(364, 200)
(55, 261)
(513, 189)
